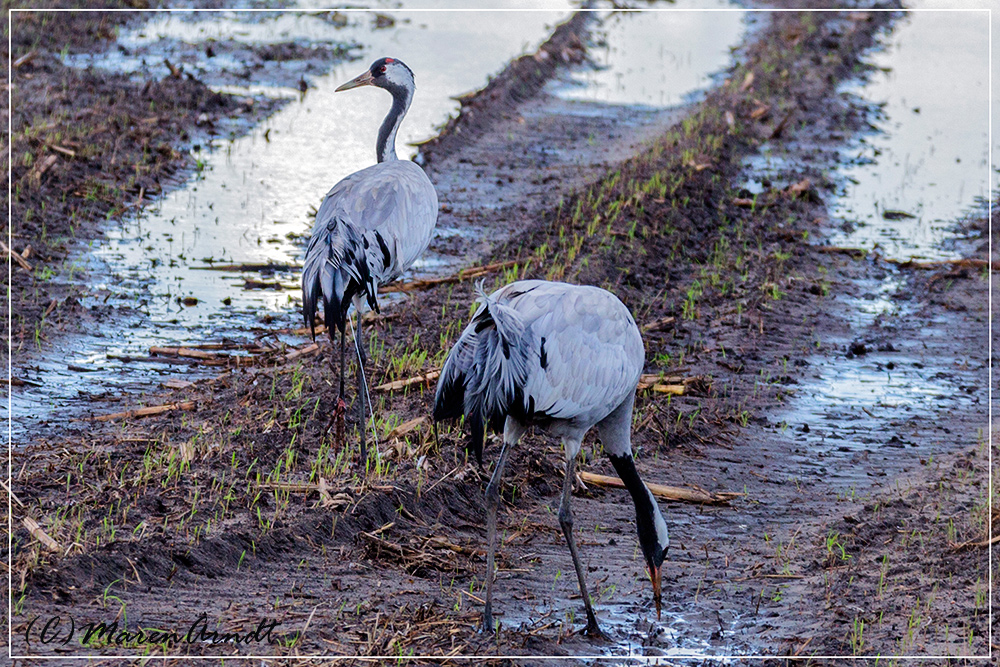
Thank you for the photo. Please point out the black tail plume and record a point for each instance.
(484, 375)
(336, 269)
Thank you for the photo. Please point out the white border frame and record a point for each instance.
(640, 659)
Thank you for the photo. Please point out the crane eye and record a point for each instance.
(381, 70)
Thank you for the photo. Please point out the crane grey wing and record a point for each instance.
(590, 355)
(371, 226)
(449, 398)
(367, 197)
(335, 269)
(393, 205)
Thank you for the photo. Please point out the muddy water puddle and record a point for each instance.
(902, 190)
(927, 162)
(675, 635)
(633, 631)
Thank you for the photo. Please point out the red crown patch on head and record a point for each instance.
(390, 60)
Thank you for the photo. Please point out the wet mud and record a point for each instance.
(850, 416)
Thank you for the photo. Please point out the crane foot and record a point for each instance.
(490, 627)
(337, 420)
(593, 630)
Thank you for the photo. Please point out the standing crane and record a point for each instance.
(370, 228)
(565, 358)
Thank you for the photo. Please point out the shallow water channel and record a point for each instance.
(249, 199)
(903, 190)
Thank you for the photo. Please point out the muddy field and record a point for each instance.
(857, 529)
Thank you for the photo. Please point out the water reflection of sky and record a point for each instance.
(655, 58)
(930, 158)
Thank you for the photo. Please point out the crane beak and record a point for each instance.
(654, 576)
(364, 79)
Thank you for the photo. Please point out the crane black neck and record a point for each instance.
(646, 511)
(385, 148)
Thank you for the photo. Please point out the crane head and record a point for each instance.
(655, 551)
(384, 73)
(654, 577)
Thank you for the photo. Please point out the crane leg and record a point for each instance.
(362, 388)
(566, 523)
(340, 408)
(341, 411)
(511, 433)
(342, 346)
